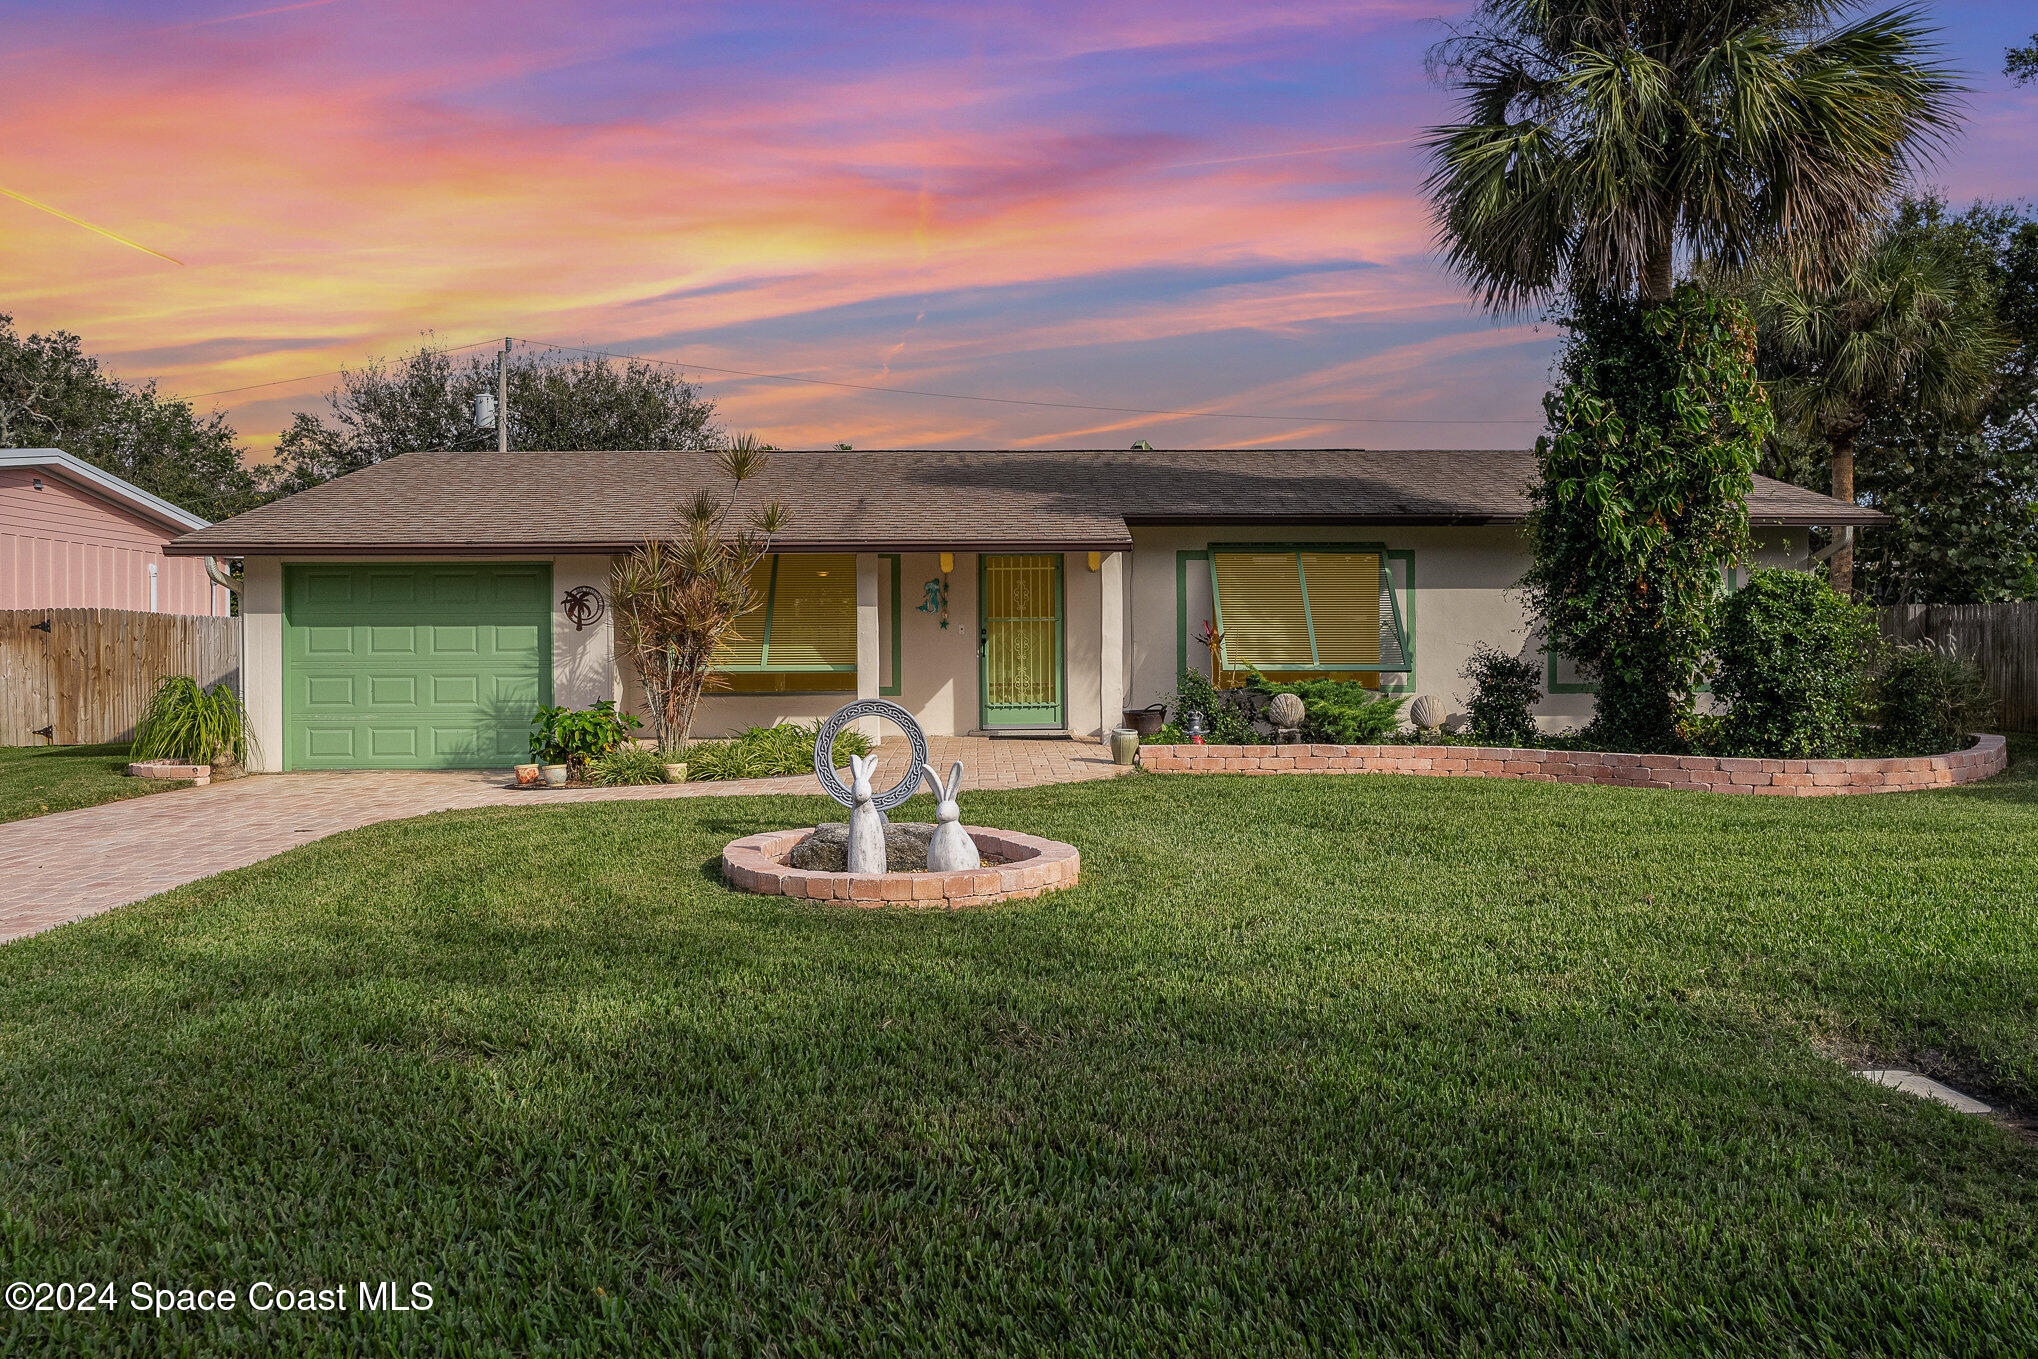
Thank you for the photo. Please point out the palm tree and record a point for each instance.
(1912, 316)
(1601, 138)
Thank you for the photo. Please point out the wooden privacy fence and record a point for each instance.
(2002, 637)
(77, 676)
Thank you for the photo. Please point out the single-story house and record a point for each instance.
(415, 613)
(73, 536)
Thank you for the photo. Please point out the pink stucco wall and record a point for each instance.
(64, 548)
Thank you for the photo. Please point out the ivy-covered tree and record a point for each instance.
(1641, 501)
(55, 395)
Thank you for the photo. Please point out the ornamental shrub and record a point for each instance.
(1929, 700)
(1337, 712)
(1792, 656)
(188, 722)
(1229, 716)
(1505, 691)
(767, 752)
(571, 736)
(626, 765)
(1641, 501)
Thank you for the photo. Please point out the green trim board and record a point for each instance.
(1009, 658)
(1182, 560)
(897, 686)
(413, 665)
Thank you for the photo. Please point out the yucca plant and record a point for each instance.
(190, 723)
(677, 603)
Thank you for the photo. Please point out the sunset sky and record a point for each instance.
(1182, 205)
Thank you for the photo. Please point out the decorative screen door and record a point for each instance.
(1019, 642)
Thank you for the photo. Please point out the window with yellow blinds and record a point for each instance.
(1307, 608)
(805, 620)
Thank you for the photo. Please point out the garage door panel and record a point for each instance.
(392, 691)
(456, 691)
(414, 666)
(328, 742)
(392, 589)
(328, 641)
(327, 691)
(385, 743)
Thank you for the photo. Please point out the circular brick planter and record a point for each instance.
(1031, 866)
(1989, 755)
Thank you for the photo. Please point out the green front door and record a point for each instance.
(1019, 661)
(413, 666)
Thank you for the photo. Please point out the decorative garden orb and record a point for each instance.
(1427, 712)
(1285, 712)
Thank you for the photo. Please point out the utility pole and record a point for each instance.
(502, 397)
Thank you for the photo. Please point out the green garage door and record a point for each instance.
(413, 666)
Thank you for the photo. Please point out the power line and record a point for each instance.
(330, 372)
(1020, 401)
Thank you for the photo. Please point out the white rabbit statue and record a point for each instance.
(866, 822)
(951, 848)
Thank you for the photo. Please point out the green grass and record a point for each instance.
(35, 780)
(1367, 1064)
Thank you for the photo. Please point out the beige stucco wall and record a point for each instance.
(1121, 629)
(1461, 596)
(937, 676)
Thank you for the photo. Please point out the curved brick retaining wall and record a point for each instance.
(1032, 866)
(1784, 778)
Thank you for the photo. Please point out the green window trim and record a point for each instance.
(1402, 598)
(898, 684)
(1402, 640)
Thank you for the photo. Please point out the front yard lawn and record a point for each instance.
(35, 780)
(1358, 1064)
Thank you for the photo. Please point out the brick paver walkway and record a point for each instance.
(72, 864)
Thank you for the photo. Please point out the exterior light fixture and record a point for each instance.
(947, 562)
(1096, 560)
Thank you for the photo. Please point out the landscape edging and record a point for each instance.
(1988, 756)
(756, 863)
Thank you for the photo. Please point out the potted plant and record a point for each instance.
(675, 769)
(563, 740)
(190, 724)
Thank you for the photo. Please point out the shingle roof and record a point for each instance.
(903, 499)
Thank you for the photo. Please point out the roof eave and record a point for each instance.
(229, 548)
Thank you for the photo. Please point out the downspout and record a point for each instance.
(220, 577)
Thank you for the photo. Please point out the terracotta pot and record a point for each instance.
(555, 775)
(676, 773)
(527, 775)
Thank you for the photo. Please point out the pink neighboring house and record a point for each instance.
(75, 537)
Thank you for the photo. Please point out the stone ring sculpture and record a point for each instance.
(824, 751)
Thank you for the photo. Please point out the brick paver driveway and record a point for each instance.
(72, 864)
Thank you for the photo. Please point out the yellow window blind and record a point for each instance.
(1293, 609)
(746, 648)
(1261, 610)
(1344, 607)
(813, 612)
